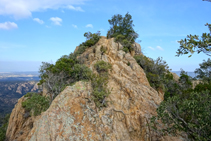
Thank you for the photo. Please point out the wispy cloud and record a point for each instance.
(75, 26)
(8, 25)
(159, 48)
(56, 20)
(102, 29)
(151, 48)
(38, 20)
(75, 8)
(89, 25)
(24, 8)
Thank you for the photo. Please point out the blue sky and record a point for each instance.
(32, 31)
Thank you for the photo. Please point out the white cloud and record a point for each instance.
(75, 26)
(8, 25)
(56, 20)
(89, 25)
(102, 29)
(24, 8)
(151, 48)
(75, 8)
(159, 48)
(38, 20)
(47, 26)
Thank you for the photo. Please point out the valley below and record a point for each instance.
(13, 86)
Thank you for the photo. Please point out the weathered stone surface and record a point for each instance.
(175, 76)
(20, 124)
(74, 116)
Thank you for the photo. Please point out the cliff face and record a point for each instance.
(74, 116)
(20, 124)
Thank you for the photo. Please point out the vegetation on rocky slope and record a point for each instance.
(35, 103)
(184, 110)
(3, 128)
(68, 70)
(99, 83)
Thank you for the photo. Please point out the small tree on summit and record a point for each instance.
(122, 30)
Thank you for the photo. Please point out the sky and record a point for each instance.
(35, 31)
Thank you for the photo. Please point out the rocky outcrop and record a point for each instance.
(25, 87)
(175, 76)
(20, 123)
(74, 116)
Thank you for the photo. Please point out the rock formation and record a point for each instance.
(74, 116)
(10, 92)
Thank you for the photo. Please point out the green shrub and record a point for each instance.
(2, 133)
(99, 84)
(100, 91)
(204, 72)
(203, 86)
(102, 49)
(80, 72)
(4, 126)
(29, 94)
(102, 66)
(65, 72)
(36, 104)
(185, 80)
(185, 109)
(91, 39)
(189, 113)
(81, 49)
(157, 71)
(125, 49)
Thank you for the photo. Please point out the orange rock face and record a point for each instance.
(74, 116)
(20, 124)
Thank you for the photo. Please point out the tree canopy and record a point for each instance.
(122, 30)
(204, 72)
(193, 44)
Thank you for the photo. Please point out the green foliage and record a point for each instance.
(99, 84)
(3, 128)
(193, 44)
(185, 109)
(202, 87)
(122, 30)
(185, 80)
(65, 72)
(100, 91)
(35, 104)
(189, 113)
(102, 67)
(204, 72)
(157, 71)
(102, 49)
(91, 39)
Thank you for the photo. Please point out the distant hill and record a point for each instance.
(13, 85)
(192, 74)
